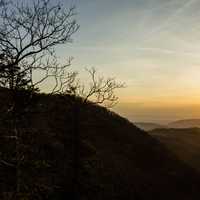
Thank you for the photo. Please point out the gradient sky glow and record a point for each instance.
(152, 45)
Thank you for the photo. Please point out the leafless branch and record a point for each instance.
(29, 33)
(99, 91)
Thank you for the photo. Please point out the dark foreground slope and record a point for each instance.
(185, 143)
(117, 160)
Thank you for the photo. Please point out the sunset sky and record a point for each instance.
(152, 45)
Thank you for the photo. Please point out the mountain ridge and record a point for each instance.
(117, 160)
(147, 126)
(184, 123)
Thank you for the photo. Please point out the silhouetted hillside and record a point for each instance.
(187, 123)
(117, 160)
(185, 143)
(148, 126)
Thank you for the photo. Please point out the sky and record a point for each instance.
(151, 45)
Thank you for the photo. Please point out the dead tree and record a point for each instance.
(29, 33)
(98, 90)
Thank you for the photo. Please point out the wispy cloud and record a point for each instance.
(172, 18)
(168, 51)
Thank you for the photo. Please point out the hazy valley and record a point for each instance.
(181, 137)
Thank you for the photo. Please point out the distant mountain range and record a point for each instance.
(186, 123)
(147, 126)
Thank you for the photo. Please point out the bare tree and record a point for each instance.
(99, 90)
(29, 33)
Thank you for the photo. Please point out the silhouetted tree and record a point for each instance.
(99, 90)
(29, 33)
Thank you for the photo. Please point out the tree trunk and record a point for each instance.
(16, 123)
(76, 150)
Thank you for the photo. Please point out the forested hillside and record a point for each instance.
(116, 160)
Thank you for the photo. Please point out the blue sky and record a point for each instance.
(152, 45)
